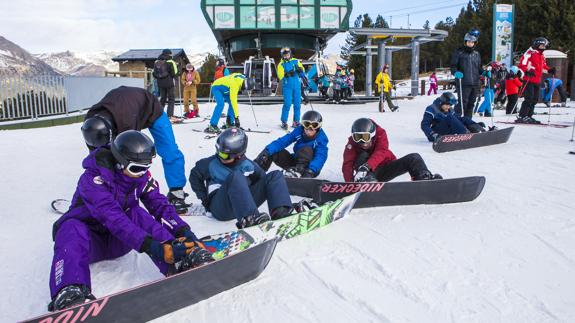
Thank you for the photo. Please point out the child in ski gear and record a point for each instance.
(440, 119)
(165, 70)
(231, 186)
(225, 90)
(221, 69)
(384, 84)
(552, 84)
(290, 71)
(486, 107)
(432, 84)
(105, 220)
(533, 65)
(367, 157)
(467, 69)
(310, 149)
(190, 80)
(512, 86)
(131, 108)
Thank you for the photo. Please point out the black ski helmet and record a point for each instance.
(220, 62)
(97, 131)
(363, 125)
(312, 117)
(167, 51)
(448, 98)
(470, 37)
(132, 146)
(540, 41)
(231, 143)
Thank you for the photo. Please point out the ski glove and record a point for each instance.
(291, 73)
(369, 177)
(435, 136)
(307, 173)
(361, 172)
(458, 75)
(170, 251)
(264, 160)
(186, 233)
(198, 256)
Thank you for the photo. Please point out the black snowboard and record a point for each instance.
(150, 301)
(453, 190)
(471, 140)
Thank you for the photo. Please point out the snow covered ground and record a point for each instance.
(506, 257)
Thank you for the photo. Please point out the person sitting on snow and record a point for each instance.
(231, 186)
(439, 119)
(105, 221)
(367, 158)
(310, 149)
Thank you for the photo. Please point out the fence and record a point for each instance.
(32, 96)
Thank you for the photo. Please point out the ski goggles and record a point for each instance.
(138, 169)
(311, 124)
(229, 156)
(360, 137)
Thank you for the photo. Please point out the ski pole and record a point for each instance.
(461, 97)
(519, 95)
(572, 130)
(251, 105)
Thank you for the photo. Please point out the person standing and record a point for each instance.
(512, 85)
(165, 70)
(533, 65)
(225, 90)
(290, 72)
(190, 79)
(432, 84)
(221, 69)
(466, 68)
(383, 82)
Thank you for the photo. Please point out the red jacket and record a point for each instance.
(379, 153)
(533, 60)
(512, 85)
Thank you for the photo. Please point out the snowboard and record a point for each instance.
(542, 124)
(441, 191)
(471, 140)
(166, 295)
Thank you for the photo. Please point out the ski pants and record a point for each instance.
(190, 92)
(449, 125)
(411, 163)
(300, 159)
(511, 103)
(78, 244)
(238, 197)
(222, 96)
(292, 95)
(467, 98)
(167, 94)
(432, 88)
(172, 158)
(387, 96)
(531, 95)
(486, 105)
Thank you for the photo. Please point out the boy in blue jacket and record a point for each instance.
(310, 149)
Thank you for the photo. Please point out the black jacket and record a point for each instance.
(467, 61)
(131, 108)
(171, 66)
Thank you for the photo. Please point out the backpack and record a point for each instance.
(219, 72)
(161, 69)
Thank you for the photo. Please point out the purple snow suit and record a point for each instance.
(105, 220)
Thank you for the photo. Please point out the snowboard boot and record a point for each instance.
(295, 124)
(547, 104)
(69, 296)
(284, 125)
(532, 121)
(281, 212)
(292, 172)
(177, 197)
(197, 257)
(522, 120)
(212, 129)
(304, 205)
(426, 176)
(254, 219)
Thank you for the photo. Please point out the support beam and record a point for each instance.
(381, 52)
(414, 67)
(368, 75)
(388, 60)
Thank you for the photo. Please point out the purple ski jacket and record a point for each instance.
(104, 193)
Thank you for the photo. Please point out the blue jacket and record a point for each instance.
(209, 174)
(286, 68)
(319, 145)
(433, 115)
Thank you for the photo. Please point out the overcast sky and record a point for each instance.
(41, 26)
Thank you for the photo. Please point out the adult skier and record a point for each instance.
(383, 82)
(231, 186)
(367, 157)
(105, 221)
(190, 80)
(290, 71)
(533, 65)
(131, 108)
(310, 149)
(225, 90)
(165, 70)
(221, 69)
(439, 119)
(466, 68)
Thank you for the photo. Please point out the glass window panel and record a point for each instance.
(289, 1)
(266, 17)
(247, 1)
(329, 17)
(333, 2)
(247, 17)
(307, 17)
(224, 17)
(208, 2)
(289, 17)
(303, 2)
(266, 1)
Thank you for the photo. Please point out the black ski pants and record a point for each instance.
(301, 159)
(167, 94)
(531, 95)
(467, 98)
(511, 103)
(411, 163)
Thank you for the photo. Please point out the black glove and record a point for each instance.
(264, 160)
(307, 173)
(361, 172)
(197, 256)
(530, 73)
(435, 136)
(369, 177)
(171, 251)
(237, 122)
(186, 233)
(291, 73)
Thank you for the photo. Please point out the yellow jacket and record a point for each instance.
(231, 84)
(383, 78)
(195, 79)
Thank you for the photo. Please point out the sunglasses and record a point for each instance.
(361, 137)
(228, 156)
(137, 169)
(311, 124)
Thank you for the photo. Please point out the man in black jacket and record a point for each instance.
(466, 67)
(165, 69)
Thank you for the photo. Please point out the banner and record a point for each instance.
(502, 47)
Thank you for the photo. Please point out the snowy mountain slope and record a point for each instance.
(506, 257)
(81, 64)
(14, 60)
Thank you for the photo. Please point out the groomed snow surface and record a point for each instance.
(508, 256)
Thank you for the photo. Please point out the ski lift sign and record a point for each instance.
(503, 33)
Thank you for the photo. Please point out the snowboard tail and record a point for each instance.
(471, 140)
(161, 297)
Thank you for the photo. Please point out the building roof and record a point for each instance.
(148, 54)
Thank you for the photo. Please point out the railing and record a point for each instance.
(30, 97)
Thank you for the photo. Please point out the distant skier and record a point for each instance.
(310, 149)
(225, 90)
(552, 84)
(231, 186)
(221, 69)
(513, 85)
(290, 70)
(190, 80)
(165, 70)
(467, 69)
(367, 157)
(383, 82)
(439, 119)
(486, 106)
(131, 108)
(533, 65)
(106, 221)
(432, 84)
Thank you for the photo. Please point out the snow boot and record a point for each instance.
(281, 212)
(394, 108)
(212, 129)
(284, 125)
(426, 176)
(69, 296)
(533, 121)
(254, 219)
(177, 197)
(295, 124)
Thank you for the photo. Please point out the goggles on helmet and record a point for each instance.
(137, 169)
(311, 124)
